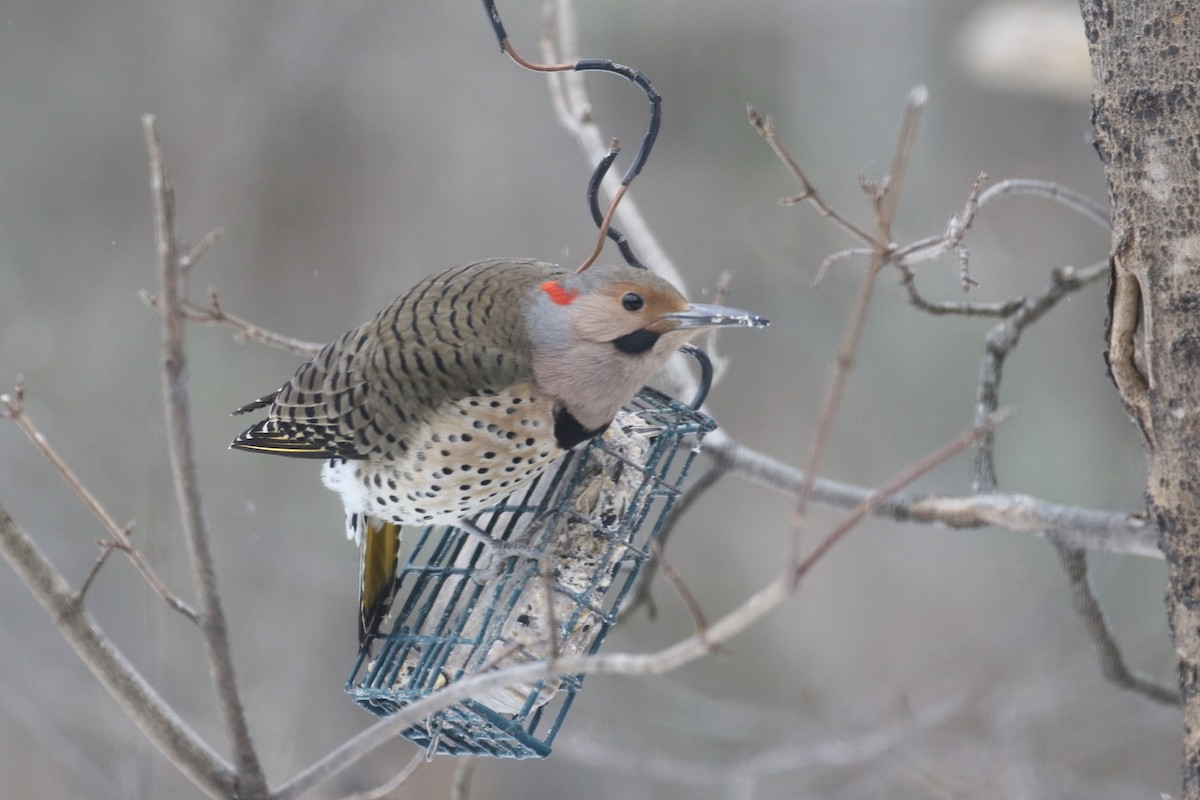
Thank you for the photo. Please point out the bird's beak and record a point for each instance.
(701, 315)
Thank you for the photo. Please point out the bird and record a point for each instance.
(465, 388)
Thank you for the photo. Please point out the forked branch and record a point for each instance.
(12, 407)
(137, 698)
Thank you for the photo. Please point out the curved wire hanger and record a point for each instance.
(639, 79)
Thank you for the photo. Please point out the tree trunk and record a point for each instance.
(1146, 116)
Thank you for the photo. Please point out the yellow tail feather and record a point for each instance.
(377, 576)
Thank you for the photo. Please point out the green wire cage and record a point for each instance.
(575, 542)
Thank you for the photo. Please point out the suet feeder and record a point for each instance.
(574, 542)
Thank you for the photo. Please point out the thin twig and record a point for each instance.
(251, 781)
(1112, 663)
(1069, 198)
(793, 752)
(951, 240)
(12, 407)
(196, 252)
(1000, 308)
(681, 588)
(841, 255)
(886, 201)
(161, 725)
(907, 476)
(693, 492)
(1016, 315)
(385, 790)
(765, 126)
(1105, 531)
(464, 772)
(214, 314)
(1002, 339)
(106, 548)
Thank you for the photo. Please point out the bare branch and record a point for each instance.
(194, 254)
(841, 255)
(886, 205)
(914, 107)
(1002, 339)
(1068, 198)
(907, 476)
(1069, 526)
(765, 126)
(681, 588)
(464, 772)
(251, 781)
(691, 493)
(1002, 308)
(1102, 531)
(13, 408)
(792, 753)
(190, 754)
(106, 548)
(385, 790)
(1112, 663)
(952, 241)
(214, 314)
(1016, 315)
(949, 240)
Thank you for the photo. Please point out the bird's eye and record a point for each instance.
(632, 301)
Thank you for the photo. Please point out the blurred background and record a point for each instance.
(348, 149)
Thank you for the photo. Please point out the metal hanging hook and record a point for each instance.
(638, 78)
(593, 192)
(706, 373)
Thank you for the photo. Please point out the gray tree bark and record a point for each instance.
(1146, 116)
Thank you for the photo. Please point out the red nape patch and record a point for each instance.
(564, 297)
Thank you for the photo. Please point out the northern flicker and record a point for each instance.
(465, 388)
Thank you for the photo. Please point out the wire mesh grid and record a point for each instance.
(574, 543)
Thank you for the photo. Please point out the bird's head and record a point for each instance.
(600, 335)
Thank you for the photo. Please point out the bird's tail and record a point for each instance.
(377, 573)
